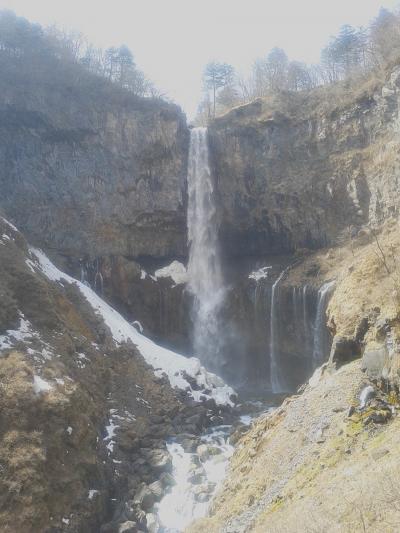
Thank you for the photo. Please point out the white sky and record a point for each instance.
(172, 40)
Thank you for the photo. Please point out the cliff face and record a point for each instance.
(89, 177)
(107, 176)
(103, 179)
(292, 173)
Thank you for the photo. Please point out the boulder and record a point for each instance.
(190, 443)
(373, 362)
(197, 475)
(128, 527)
(167, 480)
(144, 498)
(157, 489)
(151, 523)
(203, 452)
(159, 460)
(344, 350)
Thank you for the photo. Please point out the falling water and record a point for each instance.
(276, 384)
(204, 269)
(320, 332)
(305, 315)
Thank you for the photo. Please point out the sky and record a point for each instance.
(172, 40)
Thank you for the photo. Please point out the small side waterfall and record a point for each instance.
(320, 331)
(204, 268)
(277, 385)
(289, 326)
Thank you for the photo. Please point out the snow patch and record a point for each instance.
(176, 271)
(4, 239)
(164, 361)
(12, 336)
(9, 224)
(261, 273)
(40, 385)
(110, 434)
(31, 265)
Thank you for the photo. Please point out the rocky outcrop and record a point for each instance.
(293, 173)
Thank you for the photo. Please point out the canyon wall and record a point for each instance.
(89, 177)
(100, 182)
(299, 171)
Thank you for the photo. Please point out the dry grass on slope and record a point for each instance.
(310, 468)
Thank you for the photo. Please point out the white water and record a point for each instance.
(205, 280)
(319, 327)
(277, 386)
(179, 507)
(305, 319)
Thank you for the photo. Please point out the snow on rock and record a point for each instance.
(109, 438)
(12, 336)
(261, 273)
(176, 271)
(9, 224)
(164, 361)
(138, 326)
(40, 385)
(4, 239)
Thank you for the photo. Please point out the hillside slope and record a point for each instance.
(326, 460)
(86, 402)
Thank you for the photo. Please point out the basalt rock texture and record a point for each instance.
(293, 173)
(89, 177)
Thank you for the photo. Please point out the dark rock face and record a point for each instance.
(289, 176)
(92, 179)
(247, 316)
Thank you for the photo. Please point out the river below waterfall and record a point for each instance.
(199, 471)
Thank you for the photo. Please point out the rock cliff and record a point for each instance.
(90, 177)
(296, 171)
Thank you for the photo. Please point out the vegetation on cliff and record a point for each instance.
(353, 62)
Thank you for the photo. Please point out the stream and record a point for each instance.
(198, 474)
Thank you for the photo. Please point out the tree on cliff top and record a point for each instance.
(52, 54)
(217, 76)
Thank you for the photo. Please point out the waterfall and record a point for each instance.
(204, 268)
(276, 384)
(305, 314)
(320, 331)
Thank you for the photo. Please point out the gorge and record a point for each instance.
(199, 326)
